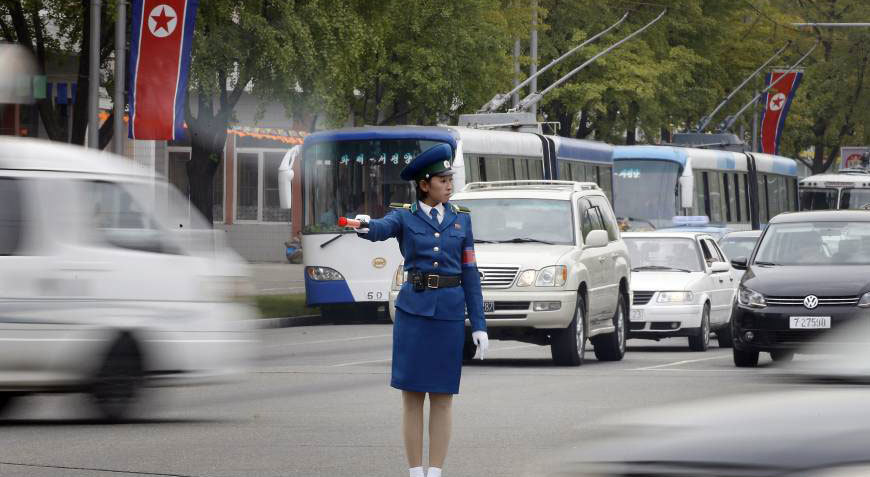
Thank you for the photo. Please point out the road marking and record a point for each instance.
(337, 340)
(361, 362)
(677, 363)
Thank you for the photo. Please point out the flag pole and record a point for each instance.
(120, 75)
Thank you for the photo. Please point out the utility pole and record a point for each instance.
(120, 75)
(533, 52)
(94, 78)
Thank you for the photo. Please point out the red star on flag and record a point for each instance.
(777, 102)
(162, 20)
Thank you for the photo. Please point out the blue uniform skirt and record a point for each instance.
(427, 353)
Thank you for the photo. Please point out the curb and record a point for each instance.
(287, 321)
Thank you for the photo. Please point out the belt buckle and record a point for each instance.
(429, 281)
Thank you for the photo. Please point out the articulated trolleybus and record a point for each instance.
(356, 171)
(654, 184)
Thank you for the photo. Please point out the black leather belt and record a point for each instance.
(422, 281)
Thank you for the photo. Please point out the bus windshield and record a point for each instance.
(346, 178)
(645, 190)
(855, 199)
(818, 199)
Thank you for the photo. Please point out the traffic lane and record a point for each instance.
(299, 419)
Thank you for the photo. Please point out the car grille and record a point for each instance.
(512, 305)
(495, 276)
(823, 300)
(642, 297)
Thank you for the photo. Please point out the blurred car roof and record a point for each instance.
(28, 154)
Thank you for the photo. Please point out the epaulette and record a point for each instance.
(399, 205)
(458, 208)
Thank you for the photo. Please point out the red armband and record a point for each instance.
(468, 258)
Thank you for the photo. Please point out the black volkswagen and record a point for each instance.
(809, 272)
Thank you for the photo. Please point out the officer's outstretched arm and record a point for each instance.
(382, 229)
(471, 283)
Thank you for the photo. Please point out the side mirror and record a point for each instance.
(285, 177)
(687, 191)
(719, 267)
(597, 238)
(739, 263)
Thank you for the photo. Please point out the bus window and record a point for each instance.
(714, 183)
(818, 199)
(736, 194)
(855, 199)
(727, 199)
(744, 189)
(605, 181)
(472, 171)
(521, 169)
(564, 171)
(762, 198)
(536, 168)
(699, 207)
(792, 187)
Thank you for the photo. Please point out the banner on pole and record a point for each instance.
(160, 51)
(777, 102)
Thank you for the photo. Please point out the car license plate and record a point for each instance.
(809, 322)
(636, 315)
(488, 306)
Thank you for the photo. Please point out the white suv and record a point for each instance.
(553, 267)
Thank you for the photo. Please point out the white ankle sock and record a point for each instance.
(433, 472)
(415, 472)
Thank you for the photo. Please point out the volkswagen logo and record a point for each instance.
(379, 262)
(811, 301)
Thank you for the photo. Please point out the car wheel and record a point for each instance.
(723, 336)
(468, 348)
(745, 359)
(117, 387)
(782, 356)
(611, 347)
(701, 341)
(568, 346)
(7, 400)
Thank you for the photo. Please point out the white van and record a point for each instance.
(109, 280)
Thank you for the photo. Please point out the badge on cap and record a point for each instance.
(447, 164)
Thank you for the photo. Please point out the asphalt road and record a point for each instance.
(318, 403)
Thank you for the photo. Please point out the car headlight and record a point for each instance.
(864, 302)
(323, 274)
(400, 277)
(526, 278)
(554, 276)
(675, 297)
(748, 297)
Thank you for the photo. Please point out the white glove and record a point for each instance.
(481, 340)
(365, 218)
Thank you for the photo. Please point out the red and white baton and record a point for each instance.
(353, 223)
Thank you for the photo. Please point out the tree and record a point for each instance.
(26, 21)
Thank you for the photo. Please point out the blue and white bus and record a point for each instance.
(740, 191)
(356, 171)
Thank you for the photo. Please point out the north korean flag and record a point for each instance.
(159, 66)
(777, 103)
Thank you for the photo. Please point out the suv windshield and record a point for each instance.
(667, 254)
(521, 220)
(820, 243)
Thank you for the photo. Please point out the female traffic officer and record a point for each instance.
(429, 332)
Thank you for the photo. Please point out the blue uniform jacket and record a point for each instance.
(444, 249)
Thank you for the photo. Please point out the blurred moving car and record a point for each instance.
(682, 286)
(109, 280)
(739, 244)
(809, 273)
(554, 270)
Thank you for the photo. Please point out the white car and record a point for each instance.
(109, 280)
(682, 286)
(553, 268)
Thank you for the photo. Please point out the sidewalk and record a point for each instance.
(278, 278)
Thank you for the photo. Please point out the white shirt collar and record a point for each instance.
(426, 209)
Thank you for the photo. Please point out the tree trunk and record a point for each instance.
(583, 129)
(631, 123)
(203, 164)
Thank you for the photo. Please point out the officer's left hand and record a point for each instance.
(481, 340)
